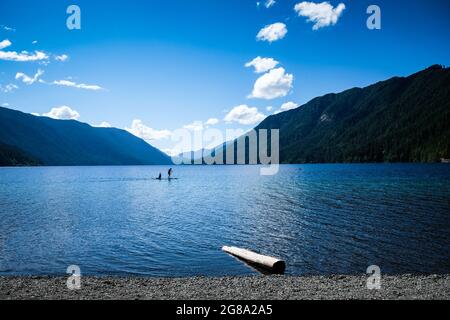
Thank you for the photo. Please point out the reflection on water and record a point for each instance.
(322, 219)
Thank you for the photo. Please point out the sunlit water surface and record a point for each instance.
(322, 219)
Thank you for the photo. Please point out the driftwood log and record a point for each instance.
(269, 263)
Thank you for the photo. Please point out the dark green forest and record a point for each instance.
(398, 120)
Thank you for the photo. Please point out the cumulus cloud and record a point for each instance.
(23, 56)
(321, 14)
(269, 3)
(212, 122)
(274, 84)
(34, 42)
(287, 106)
(68, 83)
(62, 113)
(4, 44)
(62, 57)
(5, 104)
(262, 64)
(27, 79)
(8, 88)
(272, 32)
(140, 130)
(244, 115)
(104, 124)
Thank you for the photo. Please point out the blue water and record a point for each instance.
(323, 219)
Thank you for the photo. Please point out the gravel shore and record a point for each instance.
(228, 288)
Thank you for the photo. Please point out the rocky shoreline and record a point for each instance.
(422, 287)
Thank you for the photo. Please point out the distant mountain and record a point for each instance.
(398, 120)
(29, 140)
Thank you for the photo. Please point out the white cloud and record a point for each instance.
(212, 122)
(62, 57)
(23, 56)
(272, 32)
(321, 14)
(5, 104)
(4, 44)
(270, 3)
(195, 126)
(27, 79)
(62, 113)
(287, 106)
(146, 133)
(67, 83)
(104, 124)
(8, 88)
(34, 42)
(274, 84)
(244, 115)
(6, 28)
(262, 64)
(269, 108)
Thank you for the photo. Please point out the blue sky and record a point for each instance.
(169, 64)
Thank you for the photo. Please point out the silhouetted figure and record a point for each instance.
(170, 173)
(160, 176)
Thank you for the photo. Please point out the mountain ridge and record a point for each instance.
(402, 119)
(52, 142)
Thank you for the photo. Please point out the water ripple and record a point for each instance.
(323, 219)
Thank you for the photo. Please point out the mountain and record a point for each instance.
(397, 120)
(30, 140)
(12, 156)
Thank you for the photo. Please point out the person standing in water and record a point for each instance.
(160, 176)
(170, 173)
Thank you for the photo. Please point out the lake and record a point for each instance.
(322, 219)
